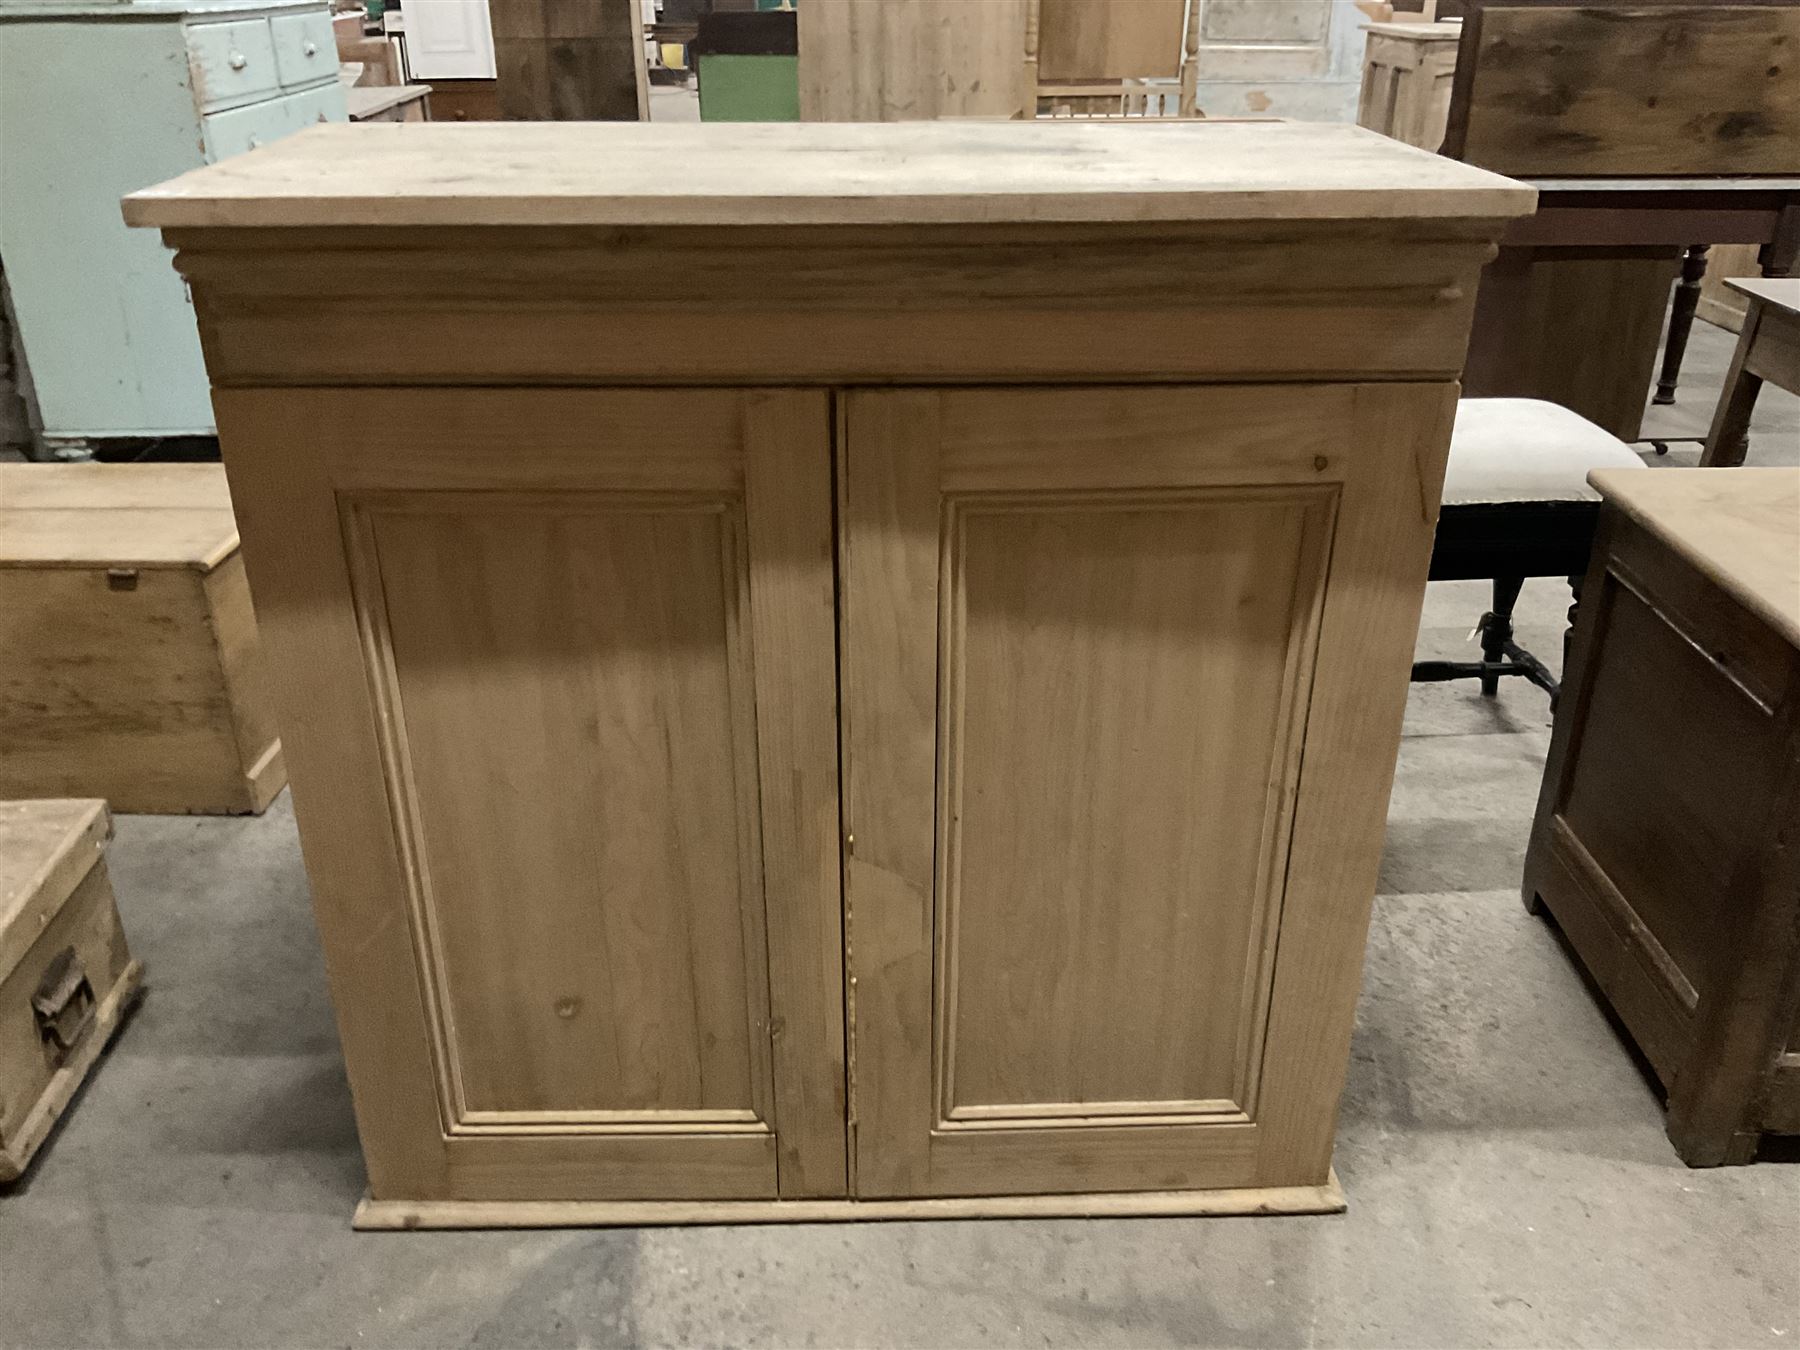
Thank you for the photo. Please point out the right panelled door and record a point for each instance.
(1123, 670)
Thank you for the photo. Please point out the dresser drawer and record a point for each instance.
(312, 106)
(240, 129)
(305, 50)
(232, 63)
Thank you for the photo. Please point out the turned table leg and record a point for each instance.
(1681, 320)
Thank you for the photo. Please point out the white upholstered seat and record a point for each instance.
(1527, 450)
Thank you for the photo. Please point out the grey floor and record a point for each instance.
(1508, 1177)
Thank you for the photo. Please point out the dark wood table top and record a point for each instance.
(1625, 213)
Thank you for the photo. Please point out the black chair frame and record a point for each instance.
(1506, 542)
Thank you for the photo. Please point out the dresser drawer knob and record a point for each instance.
(237, 60)
(310, 49)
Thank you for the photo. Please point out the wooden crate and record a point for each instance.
(66, 976)
(132, 667)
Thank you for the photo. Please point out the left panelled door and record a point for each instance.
(556, 673)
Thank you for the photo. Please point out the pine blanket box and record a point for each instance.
(132, 669)
(1069, 487)
(66, 976)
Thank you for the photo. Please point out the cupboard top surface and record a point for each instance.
(816, 173)
(1740, 527)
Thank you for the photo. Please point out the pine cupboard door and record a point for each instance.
(557, 669)
(1123, 672)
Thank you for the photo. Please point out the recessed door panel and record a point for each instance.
(575, 729)
(1120, 673)
(1123, 672)
(556, 674)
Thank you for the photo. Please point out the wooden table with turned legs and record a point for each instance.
(1768, 348)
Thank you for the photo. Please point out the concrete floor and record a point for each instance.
(1509, 1181)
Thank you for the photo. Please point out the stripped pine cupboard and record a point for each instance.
(928, 759)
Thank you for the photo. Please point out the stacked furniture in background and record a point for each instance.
(1407, 73)
(1111, 58)
(1645, 128)
(139, 91)
(904, 60)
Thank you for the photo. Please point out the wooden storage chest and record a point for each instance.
(1665, 839)
(66, 977)
(132, 668)
(1070, 486)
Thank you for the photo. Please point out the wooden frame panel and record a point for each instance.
(1311, 507)
(296, 459)
(1683, 916)
(362, 514)
(916, 304)
(902, 452)
(1530, 98)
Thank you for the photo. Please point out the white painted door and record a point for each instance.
(1285, 58)
(449, 40)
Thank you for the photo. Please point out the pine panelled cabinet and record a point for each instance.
(837, 670)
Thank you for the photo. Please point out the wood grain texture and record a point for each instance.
(1581, 332)
(1131, 444)
(1684, 701)
(1020, 924)
(594, 587)
(904, 60)
(557, 61)
(117, 686)
(133, 668)
(55, 898)
(1647, 670)
(1387, 514)
(1736, 529)
(114, 487)
(1163, 301)
(624, 991)
(22, 1145)
(1719, 304)
(793, 601)
(889, 495)
(1109, 39)
(393, 1215)
(1629, 89)
(246, 681)
(1768, 349)
(156, 515)
(1408, 69)
(823, 173)
(47, 847)
(1103, 883)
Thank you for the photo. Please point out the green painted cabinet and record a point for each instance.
(97, 100)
